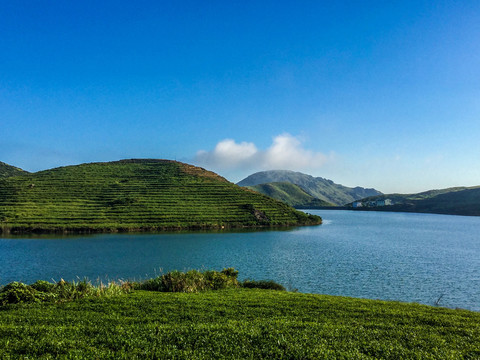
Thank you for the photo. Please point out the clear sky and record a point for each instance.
(382, 94)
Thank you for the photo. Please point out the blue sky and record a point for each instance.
(380, 94)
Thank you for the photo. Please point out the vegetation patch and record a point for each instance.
(175, 281)
(44, 291)
(192, 281)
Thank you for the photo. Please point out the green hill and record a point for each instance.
(453, 201)
(9, 170)
(135, 195)
(290, 194)
(317, 187)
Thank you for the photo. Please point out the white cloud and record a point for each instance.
(286, 152)
(228, 154)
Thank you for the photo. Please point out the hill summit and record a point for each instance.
(9, 170)
(135, 195)
(317, 187)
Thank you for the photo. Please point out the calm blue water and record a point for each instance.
(390, 256)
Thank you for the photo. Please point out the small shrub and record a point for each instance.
(262, 284)
(230, 272)
(177, 281)
(154, 284)
(83, 287)
(66, 290)
(111, 289)
(17, 292)
(127, 286)
(43, 286)
(215, 280)
(227, 278)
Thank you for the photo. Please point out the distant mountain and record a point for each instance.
(290, 194)
(9, 170)
(317, 187)
(453, 201)
(135, 195)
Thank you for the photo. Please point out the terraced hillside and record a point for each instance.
(135, 195)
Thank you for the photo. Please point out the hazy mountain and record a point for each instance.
(317, 187)
(9, 170)
(290, 194)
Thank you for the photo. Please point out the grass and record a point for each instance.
(135, 195)
(236, 324)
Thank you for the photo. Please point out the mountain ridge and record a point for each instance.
(318, 187)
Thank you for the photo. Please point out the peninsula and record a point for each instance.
(135, 195)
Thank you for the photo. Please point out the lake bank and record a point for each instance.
(19, 231)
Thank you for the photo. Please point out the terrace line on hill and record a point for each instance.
(135, 195)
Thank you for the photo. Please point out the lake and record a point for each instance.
(376, 255)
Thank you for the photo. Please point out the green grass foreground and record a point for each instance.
(236, 324)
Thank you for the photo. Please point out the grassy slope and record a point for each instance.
(290, 194)
(317, 187)
(237, 324)
(9, 170)
(135, 195)
(454, 201)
